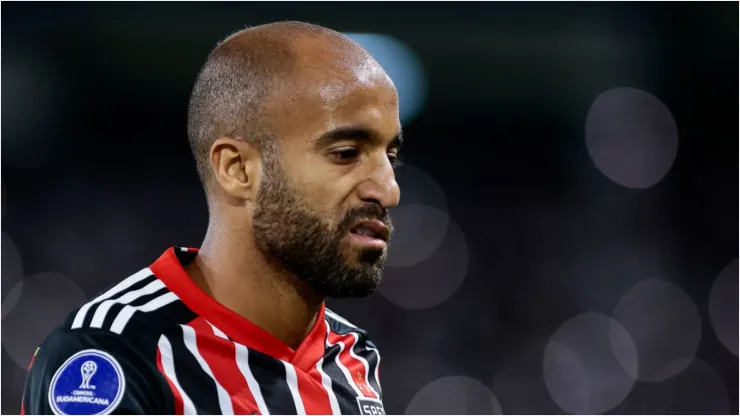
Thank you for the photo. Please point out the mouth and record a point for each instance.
(371, 233)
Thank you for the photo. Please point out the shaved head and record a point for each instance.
(296, 134)
(253, 68)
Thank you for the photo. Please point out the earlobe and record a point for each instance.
(234, 163)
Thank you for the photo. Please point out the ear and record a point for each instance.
(236, 165)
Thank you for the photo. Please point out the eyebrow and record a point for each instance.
(360, 134)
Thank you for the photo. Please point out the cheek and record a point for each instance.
(324, 187)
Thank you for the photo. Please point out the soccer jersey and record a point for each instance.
(155, 343)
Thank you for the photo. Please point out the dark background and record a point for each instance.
(510, 229)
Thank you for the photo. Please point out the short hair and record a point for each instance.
(230, 93)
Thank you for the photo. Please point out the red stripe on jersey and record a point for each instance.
(220, 354)
(179, 405)
(357, 368)
(315, 397)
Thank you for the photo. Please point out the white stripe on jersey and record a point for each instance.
(120, 287)
(341, 366)
(364, 363)
(218, 332)
(242, 361)
(168, 365)
(326, 382)
(292, 379)
(224, 399)
(128, 297)
(128, 311)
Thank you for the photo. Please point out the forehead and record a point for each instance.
(329, 93)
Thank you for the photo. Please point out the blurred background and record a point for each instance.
(567, 235)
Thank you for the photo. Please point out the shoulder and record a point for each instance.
(136, 308)
(343, 328)
(114, 338)
(350, 343)
(92, 371)
(339, 324)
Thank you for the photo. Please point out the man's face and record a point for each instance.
(321, 209)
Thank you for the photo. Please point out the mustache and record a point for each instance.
(368, 211)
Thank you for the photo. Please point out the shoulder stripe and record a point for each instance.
(128, 311)
(128, 297)
(224, 400)
(168, 367)
(120, 287)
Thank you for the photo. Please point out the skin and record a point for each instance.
(318, 182)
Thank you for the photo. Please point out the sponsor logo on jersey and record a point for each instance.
(370, 406)
(90, 382)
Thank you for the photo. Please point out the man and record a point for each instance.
(295, 132)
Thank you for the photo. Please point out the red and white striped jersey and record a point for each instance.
(156, 344)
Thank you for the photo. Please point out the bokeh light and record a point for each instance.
(404, 68)
(665, 326)
(631, 136)
(420, 219)
(455, 395)
(579, 367)
(12, 275)
(723, 307)
(418, 187)
(434, 280)
(404, 374)
(419, 231)
(519, 385)
(699, 389)
(46, 300)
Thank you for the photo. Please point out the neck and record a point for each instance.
(233, 271)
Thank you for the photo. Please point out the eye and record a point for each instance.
(345, 155)
(396, 160)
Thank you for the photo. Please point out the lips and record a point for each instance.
(371, 228)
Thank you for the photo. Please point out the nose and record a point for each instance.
(380, 186)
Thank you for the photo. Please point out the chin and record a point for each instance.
(362, 256)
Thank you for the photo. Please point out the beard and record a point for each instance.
(309, 246)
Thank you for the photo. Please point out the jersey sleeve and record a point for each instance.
(92, 372)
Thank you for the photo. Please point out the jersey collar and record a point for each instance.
(168, 268)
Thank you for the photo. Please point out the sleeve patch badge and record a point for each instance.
(90, 382)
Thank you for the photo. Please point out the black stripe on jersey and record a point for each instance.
(270, 375)
(161, 319)
(115, 308)
(371, 356)
(198, 385)
(346, 395)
